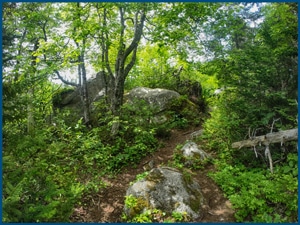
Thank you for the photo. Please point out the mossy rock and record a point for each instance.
(59, 97)
(168, 190)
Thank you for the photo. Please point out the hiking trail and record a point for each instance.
(107, 205)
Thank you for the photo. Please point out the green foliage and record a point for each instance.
(259, 90)
(46, 175)
(153, 69)
(139, 177)
(136, 137)
(184, 113)
(260, 196)
(180, 217)
(50, 162)
(130, 201)
(37, 185)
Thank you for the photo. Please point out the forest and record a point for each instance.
(235, 63)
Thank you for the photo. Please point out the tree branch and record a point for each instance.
(132, 61)
(65, 81)
(138, 31)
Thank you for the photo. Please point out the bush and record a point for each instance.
(260, 196)
(39, 185)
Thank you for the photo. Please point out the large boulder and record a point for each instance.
(71, 98)
(165, 105)
(168, 190)
(158, 98)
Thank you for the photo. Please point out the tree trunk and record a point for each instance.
(117, 78)
(30, 107)
(30, 112)
(84, 89)
(121, 69)
(266, 140)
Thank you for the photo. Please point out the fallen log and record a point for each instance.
(266, 140)
(276, 137)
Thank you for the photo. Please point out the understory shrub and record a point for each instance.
(39, 185)
(45, 174)
(256, 194)
(259, 196)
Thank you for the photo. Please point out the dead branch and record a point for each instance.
(277, 137)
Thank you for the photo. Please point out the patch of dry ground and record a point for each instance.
(107, 205)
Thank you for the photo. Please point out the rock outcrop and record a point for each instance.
(165, 105)
(157, 98)
(71, 98)
(169, 190)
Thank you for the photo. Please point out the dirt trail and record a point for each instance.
(107, 205)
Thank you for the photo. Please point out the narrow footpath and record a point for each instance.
(107, 205)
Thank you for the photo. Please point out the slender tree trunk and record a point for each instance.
(121, 68)
(30, 107)
(84, 88)
(83, 84)
(104, 57)
(30, 112)
(124, 62)
(82, 72)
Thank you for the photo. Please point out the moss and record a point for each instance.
(183, 109)
(139, 205)
(155, 175)
(187, 177)
(60, 95)
(196, 197)
(196, 201)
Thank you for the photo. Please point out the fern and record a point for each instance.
(11, 201)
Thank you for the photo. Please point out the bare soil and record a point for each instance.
(107, 205)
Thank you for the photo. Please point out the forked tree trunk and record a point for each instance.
(123, 65)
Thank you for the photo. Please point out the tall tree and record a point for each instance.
(25, 25)
(80, 33)
(131, 18)
(260, 75)
(114, 49)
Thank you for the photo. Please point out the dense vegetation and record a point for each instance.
(251, 56)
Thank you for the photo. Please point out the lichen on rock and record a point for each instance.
(166, 189)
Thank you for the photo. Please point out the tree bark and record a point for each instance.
(277, 137)
(84, 89)
(30, 107)
(65, 81)
(121, 69)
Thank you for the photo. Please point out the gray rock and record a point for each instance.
(169, 190)
(159, 98)
(96, 90)
(191, 149)
(196, 133)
